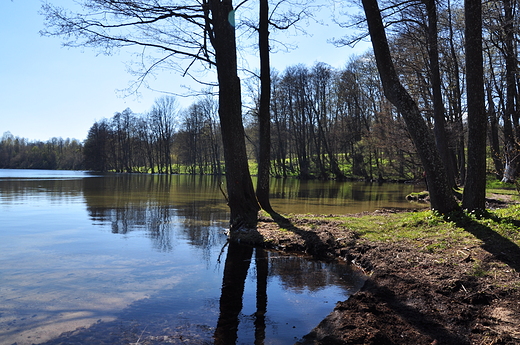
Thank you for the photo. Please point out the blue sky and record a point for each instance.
(49, 91)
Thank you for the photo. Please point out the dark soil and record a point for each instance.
(457, 295)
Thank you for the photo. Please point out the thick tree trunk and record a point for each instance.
(264, 113)
(475, 188)
(440, 192)
(241, 195)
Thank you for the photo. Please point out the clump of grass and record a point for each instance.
(419, 196)
(493, 183)
(479, 269)
(433, 247)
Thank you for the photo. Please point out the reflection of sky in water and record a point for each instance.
(59, 272)
(136, 257)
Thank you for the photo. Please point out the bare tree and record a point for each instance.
(440, 191)
(510, 115)
(264, 111)
(162, 121)
(441, 138)
(194, 31)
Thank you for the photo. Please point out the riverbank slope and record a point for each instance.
(431, 279)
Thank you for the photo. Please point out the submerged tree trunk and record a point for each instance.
(241, 195)
(440, 191)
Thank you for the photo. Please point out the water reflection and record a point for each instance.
(154, 203)
(326, 197)
(233, 284)
(302, 276)
(262, 272)
(75, 248)
(298, 274)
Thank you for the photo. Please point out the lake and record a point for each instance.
(129, 259)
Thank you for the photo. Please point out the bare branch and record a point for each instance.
(174, 31)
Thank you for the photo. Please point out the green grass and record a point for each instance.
(493, 183)
(432, 231)
(413, 226)
(479, 269)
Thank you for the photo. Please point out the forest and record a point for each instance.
(54, 154)
(325, 122)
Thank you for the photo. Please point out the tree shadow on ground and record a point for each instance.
(321, 248)
(379, 315)
(393, 307)
(502, 248)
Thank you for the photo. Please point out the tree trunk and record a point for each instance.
(264, 118)
(493, 134)
(440, 192)
(241, 195)
(475, 188)
(441, 139)
(510, 147)
(457, 104)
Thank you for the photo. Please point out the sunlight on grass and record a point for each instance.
(432, 231)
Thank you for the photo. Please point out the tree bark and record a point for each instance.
(441, 139)
(241, 195)
(440, 192)
(475, 188)
(264, 112)
(493, 134)
(510, 147)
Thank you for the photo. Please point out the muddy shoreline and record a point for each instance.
(458, 295)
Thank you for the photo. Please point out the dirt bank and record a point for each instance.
(467, 292)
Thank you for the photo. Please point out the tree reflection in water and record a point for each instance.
(235, 273)
(262, 270)
(172, 217)
(297, 274)
(237, 264)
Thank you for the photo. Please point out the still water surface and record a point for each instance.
(132, 258)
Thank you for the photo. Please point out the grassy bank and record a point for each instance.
(430, 230)
(433, 279)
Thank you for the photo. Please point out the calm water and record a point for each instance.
(123, 259)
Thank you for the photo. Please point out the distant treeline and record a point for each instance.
(325, 123)
(164, 140)
(54, 154)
